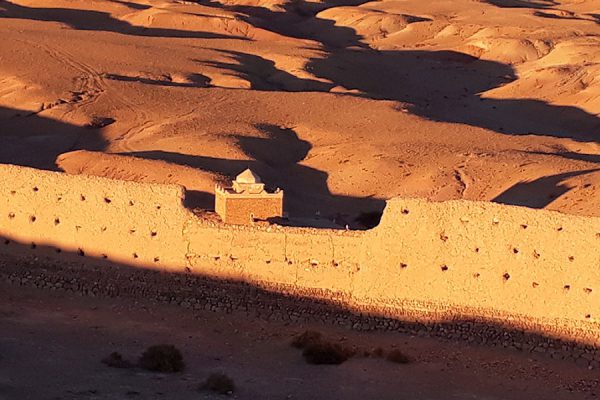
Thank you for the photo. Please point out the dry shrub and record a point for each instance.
(398, 357)
(378, 352)
(306, 338)
(162, 358)
(116, 360)
(219, 383)
(323, 352)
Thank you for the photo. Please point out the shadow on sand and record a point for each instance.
(31, 140)
(88, 20)
(540, 192)
(444, 86)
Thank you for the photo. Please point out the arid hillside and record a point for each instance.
(341, 103)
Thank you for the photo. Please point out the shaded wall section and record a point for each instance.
(453, 261)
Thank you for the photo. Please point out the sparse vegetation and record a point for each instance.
(306, 338)
(378, 352)
(323, 352)
(219, 383)
(398, 357)
(162, 358)
(116, 360)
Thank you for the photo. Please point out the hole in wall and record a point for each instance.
(13, 192)
(32, 218)
(403, 265)
(476, 275)
(103, 229)
(567, 287)
(559, 229)
(536, 254)
(524, 226)
(132, 231)
(56, 221)
(444, 268)
(405, 211)
(59, 198)
(81, 252)
(82, 197)
(515, 250)
(158, 207)
(33, 245)
(443, 237)
(268, 261)
(335, 263)
(506, 276)
(135, 255)
(534, 284)
(476, 249)
(35, 189)
(571, 258)
(588, 316)
(153, 233)
(104, 256)
(217, 258)
(156, 259)
(11, 215)
(107, 200)
(587, 290)
(131, 203)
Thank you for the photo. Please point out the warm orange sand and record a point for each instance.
(339, 103)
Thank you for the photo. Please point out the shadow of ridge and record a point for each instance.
(543, 4)
(32, 140)
(89, 20)
(591, 158)
(195, 80)
(540, 192)
(262, 74)
(78, 273)
(452, 91)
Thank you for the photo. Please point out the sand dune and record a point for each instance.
(341, 103)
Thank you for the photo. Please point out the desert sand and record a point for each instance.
(341, 104)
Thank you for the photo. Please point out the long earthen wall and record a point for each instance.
(431, 262)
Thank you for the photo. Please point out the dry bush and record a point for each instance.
(116, 360)
(323, 352)
(398, 357)
(162, 358)
(378, 352)
(219, 383)
(306, 338)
